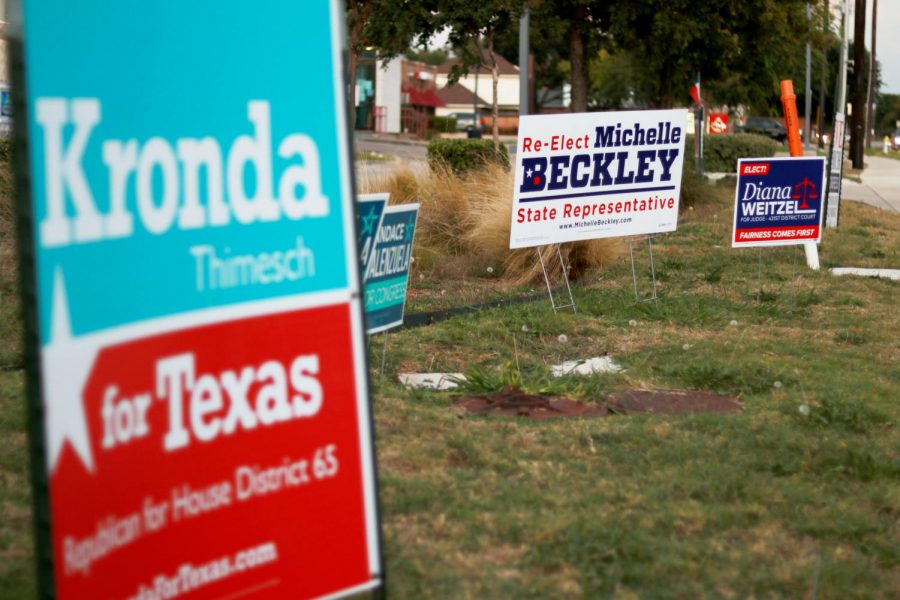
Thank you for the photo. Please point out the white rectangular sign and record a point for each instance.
(594, 175)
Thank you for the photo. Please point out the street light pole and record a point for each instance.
(807, 92)
(524, 24)
(842, 64)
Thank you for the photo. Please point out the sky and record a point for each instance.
(887, 43)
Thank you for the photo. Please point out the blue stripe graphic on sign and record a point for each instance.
(603, 193)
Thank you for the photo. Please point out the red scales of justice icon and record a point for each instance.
(803, 191)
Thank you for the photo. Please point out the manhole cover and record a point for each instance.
(512, 401)
(672, 402)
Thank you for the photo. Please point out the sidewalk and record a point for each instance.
(880, 184)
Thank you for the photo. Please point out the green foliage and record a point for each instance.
(746, 46)
(442, 124)
(429, 57)
(852, 414)
(720, 152)
(887, 113)
(612, 80)
(464, 155)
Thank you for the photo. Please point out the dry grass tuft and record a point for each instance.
(469, 218)
(464, 222)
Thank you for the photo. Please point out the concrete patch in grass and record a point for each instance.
(431, 381)
(589, 366)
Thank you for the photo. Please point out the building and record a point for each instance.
(400, 95)
(478, 84)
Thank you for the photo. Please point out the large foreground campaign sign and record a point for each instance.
(205, 416)
(593, 175)
(778, 201)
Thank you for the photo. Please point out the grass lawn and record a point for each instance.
(880, 152)
(796, 496)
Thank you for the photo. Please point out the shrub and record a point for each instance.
(721, 152)
(442, 124)
(464, 155)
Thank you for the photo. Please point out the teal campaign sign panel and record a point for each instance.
(151, 164)
(387, 272)
(200, 399)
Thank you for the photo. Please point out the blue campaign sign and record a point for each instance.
(369, 211)
(154, 151)
(778, 201)
(387, 274)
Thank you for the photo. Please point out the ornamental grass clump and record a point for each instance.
(467, 217)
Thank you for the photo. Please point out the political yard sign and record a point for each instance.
(387, 269)
(199, 401)
(593, 175)
(778, 201)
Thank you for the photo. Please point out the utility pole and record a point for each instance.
(841, 98)
(524, 24)
(807, 91)
(858, 118)
(836, 162)
(820, 124)
(870, 96)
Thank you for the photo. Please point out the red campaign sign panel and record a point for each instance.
(259, 475)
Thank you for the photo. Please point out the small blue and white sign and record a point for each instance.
(387, 273)
(778, 201)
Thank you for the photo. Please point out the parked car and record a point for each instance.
(464, 120)
(895, 140)
(767, 126)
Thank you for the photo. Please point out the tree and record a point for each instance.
(742, 48)
(390, 26)
(394, 27)
(467, 23)
(550, 57)
(887, 113)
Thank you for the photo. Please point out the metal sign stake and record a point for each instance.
(384, 338)
(565, 272)
(637, 296)
(759, 263)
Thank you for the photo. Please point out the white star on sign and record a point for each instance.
(528, 173)
(66, 364)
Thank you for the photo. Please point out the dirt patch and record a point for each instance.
(514, 402)
(668, 402)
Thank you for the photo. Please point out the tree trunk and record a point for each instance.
(870, 93)
(352, 61)
(358, 14)
(495, 79)
(858, 118)
(576, 58)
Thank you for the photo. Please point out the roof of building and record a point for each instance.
(457, 94)
(504, 67)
